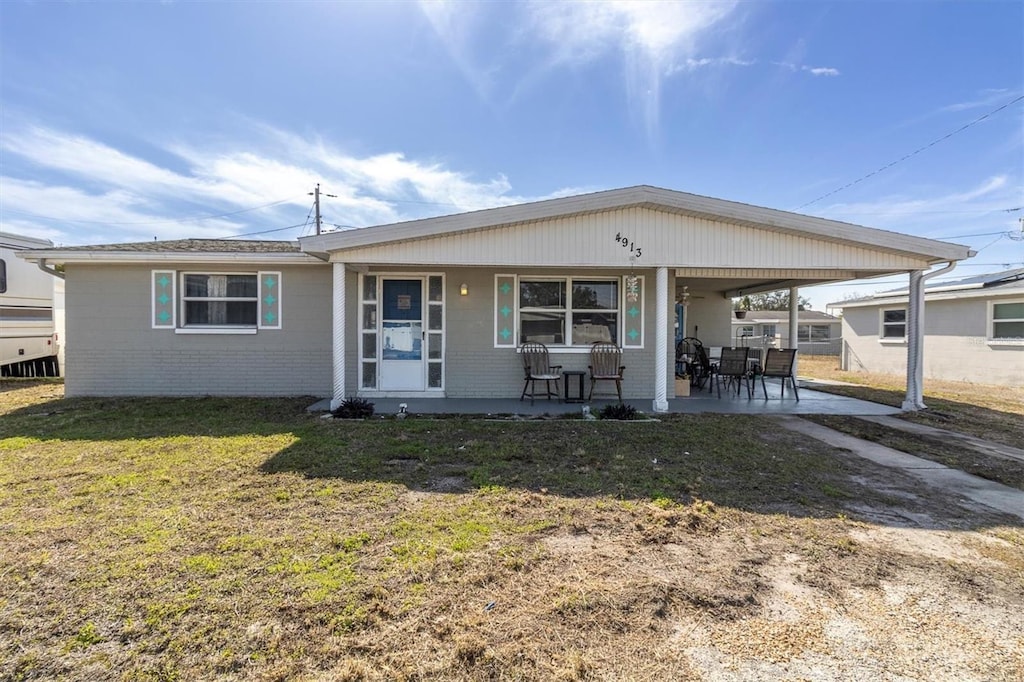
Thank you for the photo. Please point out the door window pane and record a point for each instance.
(369, 316)
(369, 346)
(434, 375)
(435, 288)
(369, 375)
(434, 346)
(434, 316)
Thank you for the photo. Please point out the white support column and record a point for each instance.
(794, 321)
(338, 335)
(914, 399)
(661, 332)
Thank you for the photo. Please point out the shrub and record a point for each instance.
(353, 408)
(618, 411)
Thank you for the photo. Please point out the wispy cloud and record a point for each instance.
(692, 64)
(813, 70)
(935, 213)
(96, 193)
(652, 37)
(987, 98)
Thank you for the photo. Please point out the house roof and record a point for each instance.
(194, 246)
(775, 316)
(1006, 281)
(643, 196)
(179, 250)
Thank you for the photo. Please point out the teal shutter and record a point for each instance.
(505, 295)
(270, 300)
(162, 299)
(633, 312)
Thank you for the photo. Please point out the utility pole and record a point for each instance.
(316, 195)
(316, 202)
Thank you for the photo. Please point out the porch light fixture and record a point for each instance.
(463, 289)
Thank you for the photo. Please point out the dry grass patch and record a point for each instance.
(248, 540)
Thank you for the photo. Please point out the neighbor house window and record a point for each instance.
(818, 332)
(768, 330)
(894, 324)
(746, 330)
(3, 276)
(1008, 320)
(219, 300)
(570, 312)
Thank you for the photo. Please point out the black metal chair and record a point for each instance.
(778, 364)
(733, 368)
(537, 367)
(699, 365)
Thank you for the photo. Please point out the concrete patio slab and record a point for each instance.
(811, 402)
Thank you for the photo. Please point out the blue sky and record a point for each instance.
(129, 121)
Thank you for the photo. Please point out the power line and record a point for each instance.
(914, 153)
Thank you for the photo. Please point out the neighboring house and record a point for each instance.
(973, 330)
(818, 333)
(438, 307)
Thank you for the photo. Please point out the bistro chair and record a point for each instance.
(778, 364)
(537, 367)
(606, 365)
(733, 368)
(697, 362)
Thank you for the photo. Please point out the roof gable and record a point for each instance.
(698, 208)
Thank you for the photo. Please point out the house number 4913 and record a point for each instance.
(628, 243)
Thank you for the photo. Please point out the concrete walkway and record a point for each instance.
(990, 494)
(981, 446)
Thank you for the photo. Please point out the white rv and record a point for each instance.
(28, 338)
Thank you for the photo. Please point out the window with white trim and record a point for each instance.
(1008, 320)
(219, 300)
(818, 332)
(215, 302)
(569, 311)
(894, 324)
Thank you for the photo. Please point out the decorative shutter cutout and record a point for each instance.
(633, 312)
(505, 294)
(270, 300)
(163, 299)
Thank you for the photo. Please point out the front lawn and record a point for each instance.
(186, 539)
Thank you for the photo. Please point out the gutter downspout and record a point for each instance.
(41, 264)
(914, 399)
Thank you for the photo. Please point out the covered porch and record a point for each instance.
(611, 266)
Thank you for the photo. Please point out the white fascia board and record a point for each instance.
(650, 197)
(56, 256)
(19, 241)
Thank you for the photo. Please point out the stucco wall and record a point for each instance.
(955, 345)
(112, 349)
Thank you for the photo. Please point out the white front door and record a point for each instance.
(402, 361)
